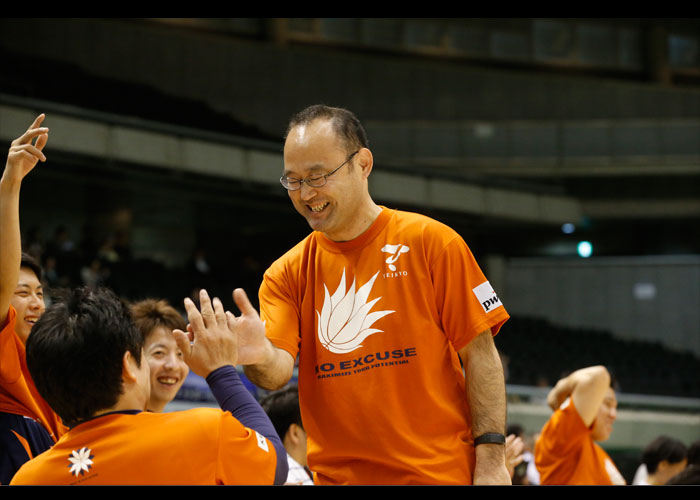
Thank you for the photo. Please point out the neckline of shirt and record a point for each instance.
(346, 246)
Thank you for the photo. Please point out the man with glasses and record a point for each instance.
(380, 306)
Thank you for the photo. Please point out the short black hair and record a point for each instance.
(76, 350)
(30, 262)
(694, 453)
(283, 408)
(689, 475)
(345, 124)
(516, 429)
(663, 448)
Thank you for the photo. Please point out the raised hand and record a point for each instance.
(208, 344)
(26, 151)
(249, 329)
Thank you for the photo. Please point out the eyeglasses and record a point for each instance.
(318, 180)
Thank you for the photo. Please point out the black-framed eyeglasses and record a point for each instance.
(318, 180)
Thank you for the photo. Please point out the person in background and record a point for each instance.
(691, 474)
(663, 458)
(585, 408)
(283, 409)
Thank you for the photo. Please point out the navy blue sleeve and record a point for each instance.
(229, 391)
(14, 431)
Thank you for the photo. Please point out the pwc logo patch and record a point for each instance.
(487, 297)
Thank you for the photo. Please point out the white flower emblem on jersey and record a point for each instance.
(345, 319)
(81, 461)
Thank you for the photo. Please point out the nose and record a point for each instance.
(613, 414)
(36, 302)
(307, 192)
(169, 361)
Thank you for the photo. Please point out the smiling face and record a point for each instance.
(167, 368)
(607, 414)
(28, 301)
(342, 208)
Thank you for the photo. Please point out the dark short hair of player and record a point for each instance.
(663, 448)
(345, 124)
(149, 314)
(689, 475)
(32, 264)
(694, 453)
(282, 407)
(76, 349)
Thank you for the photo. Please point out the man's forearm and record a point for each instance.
(486, 389)
(273, 371)
(486, 395)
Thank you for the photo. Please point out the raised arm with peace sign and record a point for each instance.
(25, 152)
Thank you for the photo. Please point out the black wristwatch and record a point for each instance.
(490, 438)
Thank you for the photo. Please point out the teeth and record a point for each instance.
(318, 208)
(167, 380)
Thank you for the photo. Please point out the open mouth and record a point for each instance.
(168, 380)
(318, 208)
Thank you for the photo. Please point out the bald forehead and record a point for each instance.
(307, 134)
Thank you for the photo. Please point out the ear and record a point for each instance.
(295, 433)
(129, 368)
(365, 161)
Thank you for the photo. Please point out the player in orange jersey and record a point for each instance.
(28, 426)
(585, 408)
(382, 307)
(156, 320)
(86, 357)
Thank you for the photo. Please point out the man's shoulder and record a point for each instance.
(421, 225)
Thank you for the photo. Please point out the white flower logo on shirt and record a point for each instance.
(345, 319)
(80, 461)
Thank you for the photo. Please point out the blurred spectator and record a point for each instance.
(92, 275)
(691, 474)
(663, 458)
(585, 408)
(525, 472)
(283, 409)
(694, 453)
(514, 456)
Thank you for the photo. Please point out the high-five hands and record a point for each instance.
(209, 343)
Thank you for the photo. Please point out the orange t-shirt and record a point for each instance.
(203, 446)
(18, 394)
(565, 453)
(376, 322)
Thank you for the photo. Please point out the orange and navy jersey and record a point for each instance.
(19, 398)
(203, 446)
(21, 439)
(565, 453)
(377, 323)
